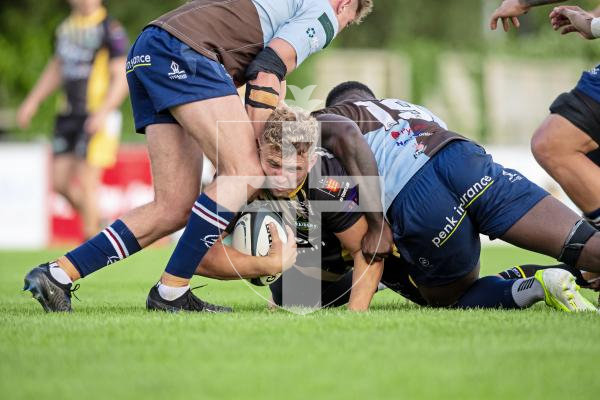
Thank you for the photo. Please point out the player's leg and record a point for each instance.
(64, 167)
(176, 186)
(561, 149)
(222, 126)
(561, 145)
(172, 79)
(439, 236)
(89, 177)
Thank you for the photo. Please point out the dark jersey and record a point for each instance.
(326, 204)
(402, 136)
(84, 46)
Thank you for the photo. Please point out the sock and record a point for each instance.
(206, 223)
(527, 292)
(113, 244)
(527, 271)
(593, 218)
(59, 274)
(171, 293)
(489, 292)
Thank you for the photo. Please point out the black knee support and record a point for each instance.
(578, 237)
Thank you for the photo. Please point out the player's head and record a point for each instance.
(85, 6)
(351, 90)
(287, 149)
(351, 11)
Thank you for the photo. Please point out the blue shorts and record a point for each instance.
(589, 84)
(460, 193)
(163, 72)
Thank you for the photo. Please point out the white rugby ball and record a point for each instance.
(251, 236)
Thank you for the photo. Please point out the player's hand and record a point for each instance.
(378, 244)
(282, 255)
(508, 12)
(25, 113)
(95, 122)
(570, 19)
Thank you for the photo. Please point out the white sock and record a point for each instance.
(527, 292)
(171, 293)
(59, 274)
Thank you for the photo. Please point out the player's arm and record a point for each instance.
(568, 19)
(510, 10)
(115, 95)
(343, 137)
(266, 81)
(225, 263)
(365, 276)
(48, 82)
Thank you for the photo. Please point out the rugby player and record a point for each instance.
(572, 131)
(183, 71)
(442, 191)
(303, 179)
(88, 64)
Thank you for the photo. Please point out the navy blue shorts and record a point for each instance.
(589, 84)
(460, 193)
(163, 72)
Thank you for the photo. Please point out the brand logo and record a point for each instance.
(512, 178)
(176, 73)
(143, 60)
(424, 262)
(454, 221)
(210, 240)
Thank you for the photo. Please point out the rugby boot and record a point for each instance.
(562, 292)
(51, 294)
(188, 302)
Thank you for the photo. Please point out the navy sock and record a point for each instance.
(113, 244)
(594, 218)
(207, 222)
(489, 292)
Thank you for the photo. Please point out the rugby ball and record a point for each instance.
(251, 235)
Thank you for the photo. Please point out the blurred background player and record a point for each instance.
(183, 72)
(564, 141)
(88, 65)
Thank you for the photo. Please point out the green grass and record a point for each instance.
(110, 348)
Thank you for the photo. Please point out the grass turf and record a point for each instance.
(111, 348)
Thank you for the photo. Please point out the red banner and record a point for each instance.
(125, 186)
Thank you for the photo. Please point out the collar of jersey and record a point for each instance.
(94, 18)
(295, 192)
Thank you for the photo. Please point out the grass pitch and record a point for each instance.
(111, 348)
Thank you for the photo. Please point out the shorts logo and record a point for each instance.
(424, 262)
(176, 73)
(454, 221)
(143, 60)
(512, 178)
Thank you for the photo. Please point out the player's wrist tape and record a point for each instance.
(267, 61)
(596, 27)
(261, 97)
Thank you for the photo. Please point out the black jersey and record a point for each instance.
(324, 205)
(84, 46)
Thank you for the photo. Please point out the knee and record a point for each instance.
(545, 147)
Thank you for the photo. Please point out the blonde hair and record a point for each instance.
(291, 130)
(364, 9)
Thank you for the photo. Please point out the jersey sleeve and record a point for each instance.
(335, 188)
(308, 32)
(116, 39)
